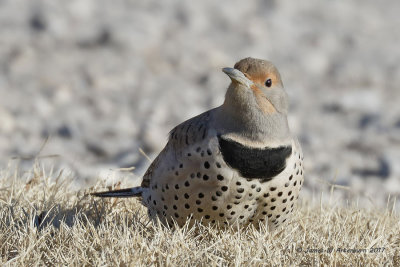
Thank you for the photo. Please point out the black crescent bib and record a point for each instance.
(254, 163)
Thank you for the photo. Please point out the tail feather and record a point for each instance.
(128, 192)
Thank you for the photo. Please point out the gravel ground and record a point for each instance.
(103, 79)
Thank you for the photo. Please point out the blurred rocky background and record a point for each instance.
(100, 80)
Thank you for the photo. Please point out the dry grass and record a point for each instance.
(43, 222)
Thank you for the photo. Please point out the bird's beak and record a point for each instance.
(237, 76)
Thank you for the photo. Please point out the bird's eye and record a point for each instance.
(268, 83)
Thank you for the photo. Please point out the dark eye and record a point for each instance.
(268, 83)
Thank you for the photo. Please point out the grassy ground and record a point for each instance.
(42, 221)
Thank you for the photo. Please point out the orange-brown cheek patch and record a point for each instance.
(262, 102)
(261, 78)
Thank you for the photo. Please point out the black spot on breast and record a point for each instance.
(254, 162)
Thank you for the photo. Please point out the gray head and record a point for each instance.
(262, 79)
(256, 98)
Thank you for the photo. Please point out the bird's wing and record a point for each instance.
(156, 162)
(186, 134)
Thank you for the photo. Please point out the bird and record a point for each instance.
(237, 163)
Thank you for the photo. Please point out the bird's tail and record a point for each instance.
(128, 192)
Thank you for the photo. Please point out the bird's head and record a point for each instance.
(256, 84)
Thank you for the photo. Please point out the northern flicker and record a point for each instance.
(237, 163)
